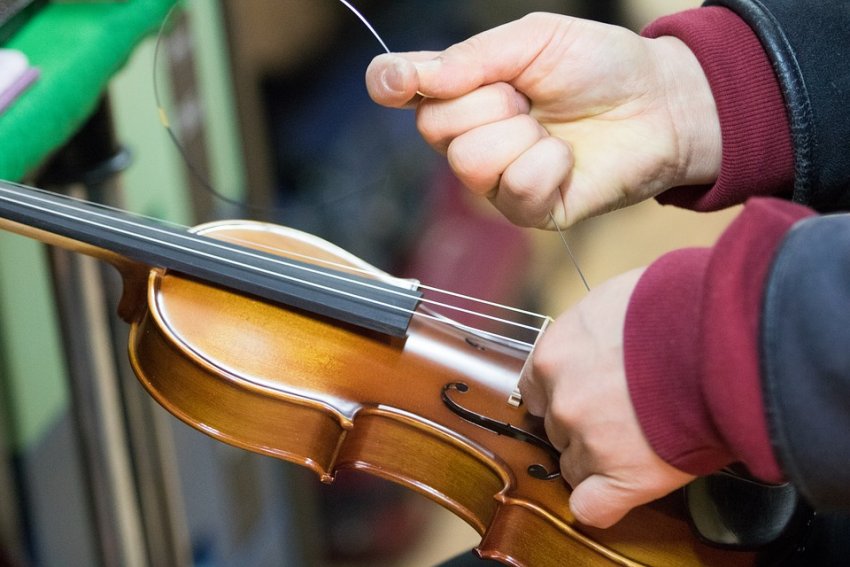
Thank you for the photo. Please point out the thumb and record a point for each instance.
(499, 54)
(391, 79)
(597, 502)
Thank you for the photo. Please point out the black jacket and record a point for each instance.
(805, 327)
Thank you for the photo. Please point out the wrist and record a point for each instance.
(692, 112)
(757, 152)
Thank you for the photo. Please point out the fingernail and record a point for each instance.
(392, 77)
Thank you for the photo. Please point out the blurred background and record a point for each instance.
(267, 99)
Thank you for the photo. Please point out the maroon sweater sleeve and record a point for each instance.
(691, 335)
(758, 156)
(691, 346)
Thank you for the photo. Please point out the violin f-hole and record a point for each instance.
(500, 428)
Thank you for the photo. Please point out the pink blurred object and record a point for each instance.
(15, 76)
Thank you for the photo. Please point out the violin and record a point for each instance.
(278, 342)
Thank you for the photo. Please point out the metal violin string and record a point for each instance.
(366, 23)
(163, 118)
(567, 246)
(73, 206)
(194, 169)
(543, 319)
(371, 28)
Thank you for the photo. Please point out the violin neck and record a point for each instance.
(87, 227)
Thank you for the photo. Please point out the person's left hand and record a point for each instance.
(578, 385)
(556, 119)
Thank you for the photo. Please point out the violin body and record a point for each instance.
(331, 396)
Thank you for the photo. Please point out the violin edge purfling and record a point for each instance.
(476, 473)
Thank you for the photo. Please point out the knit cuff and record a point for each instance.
(691, 346)
(758, 156)
(661, 349)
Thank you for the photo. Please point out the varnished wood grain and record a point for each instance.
(329, 397)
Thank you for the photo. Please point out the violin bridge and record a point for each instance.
(515, 398)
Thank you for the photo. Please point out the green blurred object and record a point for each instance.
(78, 47)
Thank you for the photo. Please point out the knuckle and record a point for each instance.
(505, 99)
(528, 126)
(560, 149)
(585, 513)
(562, 413)
(569, 471)
(592, 505)
(470, 165)
(430, 124)
(469, 52)
(545, 362)
(522, 188)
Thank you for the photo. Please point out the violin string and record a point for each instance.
(194, 169)
(163, 117)
(363, 271)
(578, 269)
(569, 250)
(250, 267)
(314, 285)
(208, 186)
(366, 23)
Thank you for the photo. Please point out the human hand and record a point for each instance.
(553, 113)
(578, 385)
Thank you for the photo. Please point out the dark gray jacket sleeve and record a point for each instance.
(806, 358)
(805, 326)
(808, 42)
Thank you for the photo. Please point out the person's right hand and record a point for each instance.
(553, 113)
